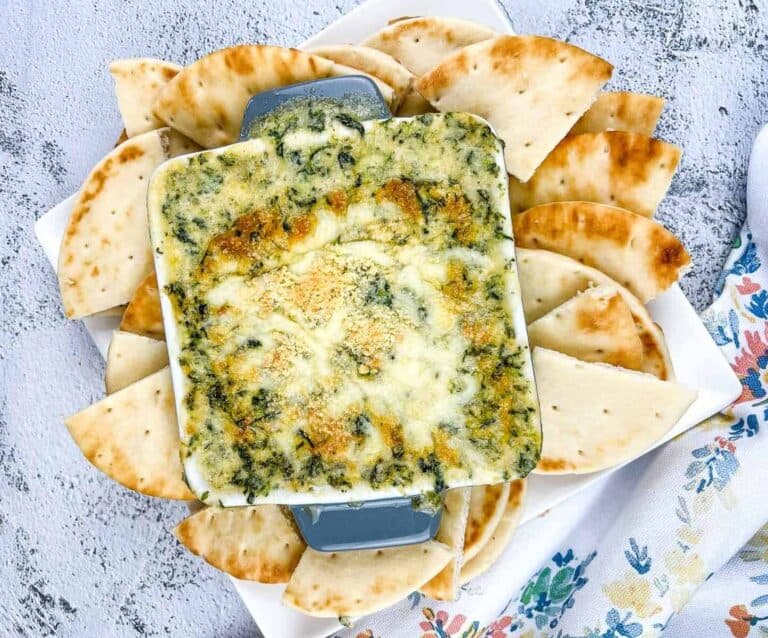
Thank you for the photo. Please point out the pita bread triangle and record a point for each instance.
(421, 43)
(137, 83)
(628, 170)
(548, 280)
(516, 83)
(636, 251)
(372, 62)
(359, 582)
(207, 99)
(595, 325)
(132, 357)
(132, 436)
(143, 314)
(453, 525)
(105, 251)
(258, 543)
(486, 507)
(621, 111)
(500, 537)
(595, 416)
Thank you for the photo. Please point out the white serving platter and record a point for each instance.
(697, 361)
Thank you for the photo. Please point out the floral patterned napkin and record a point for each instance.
(674, 543)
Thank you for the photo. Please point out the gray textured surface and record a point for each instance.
(80, 556)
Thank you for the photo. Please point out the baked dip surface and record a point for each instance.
(343, 311)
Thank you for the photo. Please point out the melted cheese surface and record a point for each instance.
(345, 315)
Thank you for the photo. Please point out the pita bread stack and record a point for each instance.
(499, 537)
(516, 83)
(636, 251)
(207, 99)
(628, 170)
(453, 525)
(548, 280)
(621, 111)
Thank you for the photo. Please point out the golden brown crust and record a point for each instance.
(621, 111)
(143, 315)
(628, 170)
(636, 251)
(206, 100)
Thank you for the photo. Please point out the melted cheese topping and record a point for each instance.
(345, 312)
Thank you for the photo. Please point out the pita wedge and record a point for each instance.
(387, 92)
(355, 583)
(453, 525)
(548, 280)
(500, 537)
(621, 111)
(372, 62)
(105, 251)
(251, 543)
(421, 43)
(137, 83)
(132, 437)
(517, 84)
(595, 415)
(596, 325)
(143, 315)
(636, 251)
(132, 357)
(621, 169)
(486, 507)
(206, 100)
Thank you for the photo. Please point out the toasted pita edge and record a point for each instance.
(621, 111)
(206, 100)
(486, 507)
(453, 525)
(143, 315)
(637, 251)
(132, 436)
(257, 543)
(359, 582)
(501, 536)
(616, 168)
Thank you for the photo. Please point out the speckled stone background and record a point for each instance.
(81, 556)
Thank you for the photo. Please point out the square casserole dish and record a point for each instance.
(343, 313)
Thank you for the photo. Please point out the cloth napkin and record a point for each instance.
(675, 543)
